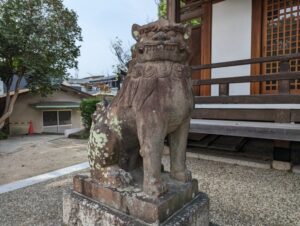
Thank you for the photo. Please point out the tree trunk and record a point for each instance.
(9, 106)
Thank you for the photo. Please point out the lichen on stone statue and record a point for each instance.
(154, 103)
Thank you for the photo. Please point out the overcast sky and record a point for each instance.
(101, 21)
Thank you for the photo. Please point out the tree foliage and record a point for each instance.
(38, 42)
(163, 10)
(87, 108)
(122, 54)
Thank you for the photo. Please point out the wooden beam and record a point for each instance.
(191, 15)
(257, 78)
(267, 115)
(263, 130)
(255, 99)
(247, 61)
(295, 115)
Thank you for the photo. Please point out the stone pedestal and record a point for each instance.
(82, 211)
(91, 203)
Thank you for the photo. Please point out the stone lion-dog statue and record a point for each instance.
(154, 103)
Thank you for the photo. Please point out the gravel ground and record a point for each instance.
(238, 195)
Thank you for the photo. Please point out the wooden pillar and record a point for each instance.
(206, 37)
(224, 89)
(256, 41)
(173, 10)
(284, 85)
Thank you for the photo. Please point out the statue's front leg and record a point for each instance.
(151, 134)
(178, 142)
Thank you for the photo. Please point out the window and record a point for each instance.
(281, 37)
(64, 117)
(50, 118)
(55, 118)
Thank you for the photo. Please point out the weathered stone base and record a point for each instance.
(79, 210)
(133, 201)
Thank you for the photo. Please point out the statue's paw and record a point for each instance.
(183, 176)
(125, 178)
(118, 178)
(155, 188)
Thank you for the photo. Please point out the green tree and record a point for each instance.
(87, 108)
(123, 56)
(38, 42)
(163, 10)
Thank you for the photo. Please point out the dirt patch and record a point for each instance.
(40, 156)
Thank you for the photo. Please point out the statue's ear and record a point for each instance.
(136, 31)
(187, 32)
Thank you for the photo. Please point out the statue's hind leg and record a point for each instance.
(151, 135)
(178, 142)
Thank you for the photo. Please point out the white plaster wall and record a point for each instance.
(231, 40)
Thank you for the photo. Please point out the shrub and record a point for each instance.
(87, 108)
(3, 135)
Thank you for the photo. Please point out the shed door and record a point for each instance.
(281, 37)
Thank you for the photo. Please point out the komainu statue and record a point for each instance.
(154, 103)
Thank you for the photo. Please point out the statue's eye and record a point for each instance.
(171, 33)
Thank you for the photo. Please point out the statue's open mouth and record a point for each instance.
(148, 48)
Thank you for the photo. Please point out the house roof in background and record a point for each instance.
(13, 92)
(62, 87)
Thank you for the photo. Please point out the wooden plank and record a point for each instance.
(256, 78)
(254, 99)
(282, 116)
(256, 41)
(247, 61)
(235, 114)
(263, 130)
(191, 15)
(295, 116)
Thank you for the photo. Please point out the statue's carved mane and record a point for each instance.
(143, 76)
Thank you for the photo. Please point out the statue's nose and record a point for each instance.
(160, 36)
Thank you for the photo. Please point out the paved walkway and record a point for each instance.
(20, 143)
(41, 178)
(27, 156)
